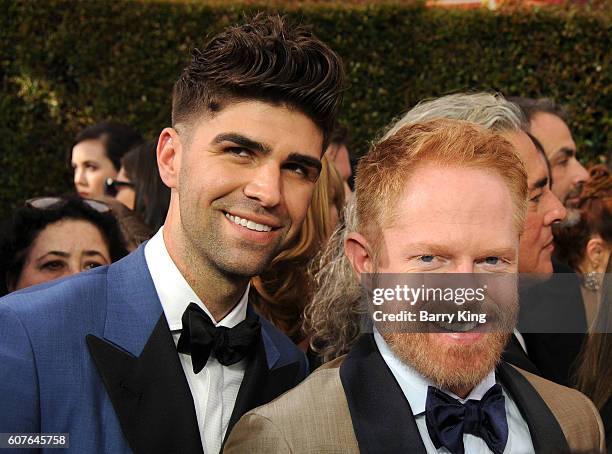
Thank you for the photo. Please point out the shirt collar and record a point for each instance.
(414, 385)
(174, 292)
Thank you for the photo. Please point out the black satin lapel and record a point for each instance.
(514, 354)
(150, 394)
(546, 433)
(260, 385)
(381, 415)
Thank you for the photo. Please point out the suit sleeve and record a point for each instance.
(256, 434)
(19, 407)
(601, 434)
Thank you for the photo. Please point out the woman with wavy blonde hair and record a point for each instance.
(286, 287)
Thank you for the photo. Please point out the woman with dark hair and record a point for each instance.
(139, 186)
(96, 155)
(584, 242)
(584, 239)
(134, 230)
(53, 237)
(594, 368)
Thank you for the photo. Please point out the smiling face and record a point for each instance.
(244, 183)
(61, 249)
(543, 209)
(567, 172)
(91, 168)
(448, 220)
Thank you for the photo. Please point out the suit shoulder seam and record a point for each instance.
(274, 426)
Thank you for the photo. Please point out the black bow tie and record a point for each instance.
(200, 336)
(448, 419)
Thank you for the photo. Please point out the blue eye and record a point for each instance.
(492, 260)
(427, 258)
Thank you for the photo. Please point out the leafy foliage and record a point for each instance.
(65, 64)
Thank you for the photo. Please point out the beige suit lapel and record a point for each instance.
(577, 416)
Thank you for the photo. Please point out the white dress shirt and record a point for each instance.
(414, 386)
(215, 388)
(520, 339)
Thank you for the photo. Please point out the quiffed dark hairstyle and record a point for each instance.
(117, 138)
(531, 106)
(152, 195)
(18, 233)
(265, 59)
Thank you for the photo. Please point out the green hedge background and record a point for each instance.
(65, 64)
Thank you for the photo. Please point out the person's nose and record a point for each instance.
(555, 211)
(74, 268)
(464, 266)
(265, 185)
(68, 270)
(79, 177)
(580, 173)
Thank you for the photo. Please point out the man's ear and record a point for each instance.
(358, 253)
(169, 149)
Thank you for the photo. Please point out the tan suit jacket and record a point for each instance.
(315, 417)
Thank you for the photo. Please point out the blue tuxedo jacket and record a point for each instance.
(92, 356)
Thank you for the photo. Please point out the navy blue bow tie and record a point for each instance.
(200, 336)
(448, 419)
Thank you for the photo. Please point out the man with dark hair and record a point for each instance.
(556, 304)
(96, 356)
(548, 124)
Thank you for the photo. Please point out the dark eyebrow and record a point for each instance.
(60, 253)
(541, 183)
(263, 148)
(305, 160)
(568, 152)
(242, 141)
(93, 253)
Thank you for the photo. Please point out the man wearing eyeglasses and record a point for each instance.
(161, 352)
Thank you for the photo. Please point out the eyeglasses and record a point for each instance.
(111, 186)
(50, 203)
